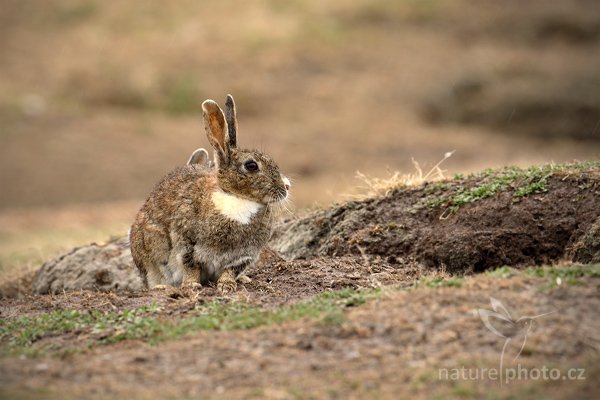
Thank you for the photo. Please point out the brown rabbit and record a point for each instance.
(202, 225)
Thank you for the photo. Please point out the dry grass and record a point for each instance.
(381, 187)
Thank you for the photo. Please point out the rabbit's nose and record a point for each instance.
(286, 182)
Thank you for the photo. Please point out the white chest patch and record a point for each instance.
(235, 208)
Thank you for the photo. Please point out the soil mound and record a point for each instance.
(107, 267)
(507, 217)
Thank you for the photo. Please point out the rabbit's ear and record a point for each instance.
(230, 116)
(199, 156)
(216, 129)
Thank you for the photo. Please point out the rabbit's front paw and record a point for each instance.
(226, 283)
(163, 287)
(191, 285)
(168, 291)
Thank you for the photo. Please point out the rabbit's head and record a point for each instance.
(248, 174)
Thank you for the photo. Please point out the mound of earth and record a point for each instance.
(106, 267)
(470, 224)
(587, 249)
(493, 225)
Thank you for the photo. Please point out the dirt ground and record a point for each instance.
(429, 271)
(388, 348)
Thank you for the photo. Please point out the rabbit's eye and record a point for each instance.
(251, 166)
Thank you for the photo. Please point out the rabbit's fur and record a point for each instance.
(206, 223)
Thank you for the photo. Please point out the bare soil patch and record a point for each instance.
(274, 283)
(389, 347)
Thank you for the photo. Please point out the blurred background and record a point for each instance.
(98, 100)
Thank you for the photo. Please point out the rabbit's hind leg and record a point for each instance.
(191, 270)
(157, 251)
(150, 249)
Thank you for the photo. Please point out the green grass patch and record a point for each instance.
(440, 281)
(20, 336)
(26, 335)
(503, 272)
(437, 187)
(569, 275)
(522, 183)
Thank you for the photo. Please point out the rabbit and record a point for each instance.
(204, 225)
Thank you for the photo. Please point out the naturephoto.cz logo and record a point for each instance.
(499, 321)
